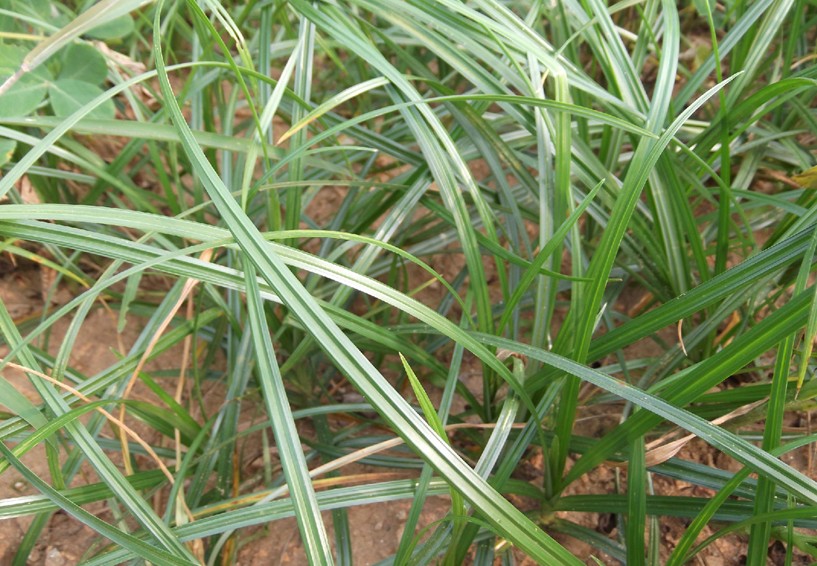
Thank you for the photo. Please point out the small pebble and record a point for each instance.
(54, 557)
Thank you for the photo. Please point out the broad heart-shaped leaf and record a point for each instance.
(38, 9)
(27, 93)
(15, 20)
(11, 56)
(114, 29)
(7, 148)
(9, 24)
(82, 62)
(68, 95)
(22, 98)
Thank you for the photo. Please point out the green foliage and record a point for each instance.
(7, 148)
(81, 69)
(115, 29)
(82, 62)
(29, 91)
(69, 95)
(346, 202)
(71, 80)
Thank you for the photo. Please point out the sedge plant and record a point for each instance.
(352, 206)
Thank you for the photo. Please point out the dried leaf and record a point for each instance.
(807, 179)
(659, 450)
(27, 193)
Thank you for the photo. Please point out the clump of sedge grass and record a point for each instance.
(503, 178)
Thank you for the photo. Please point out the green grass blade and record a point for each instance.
(313, 533)
(636, 504)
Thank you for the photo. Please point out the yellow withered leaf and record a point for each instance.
(807, 179)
